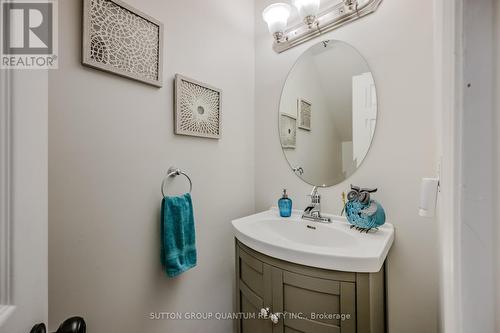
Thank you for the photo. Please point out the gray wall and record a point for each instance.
(397, 42)
(111, 141)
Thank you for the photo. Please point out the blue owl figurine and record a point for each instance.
(361, 211)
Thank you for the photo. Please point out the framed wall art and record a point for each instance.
(304, 111)
(288, 131)
(122, 40)
(197, 108)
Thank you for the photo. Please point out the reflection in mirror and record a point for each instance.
(328, 113)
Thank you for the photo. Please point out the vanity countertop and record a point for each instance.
(332, 246)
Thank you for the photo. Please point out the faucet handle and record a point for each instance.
(316, 199)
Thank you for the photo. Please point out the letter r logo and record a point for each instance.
(27, 28)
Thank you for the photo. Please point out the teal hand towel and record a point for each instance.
(178, 247)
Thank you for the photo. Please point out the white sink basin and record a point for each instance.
(330, 246)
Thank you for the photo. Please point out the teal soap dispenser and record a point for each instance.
(285, 205)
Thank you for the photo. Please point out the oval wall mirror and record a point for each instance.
(327, 113)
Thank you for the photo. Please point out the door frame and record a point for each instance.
(6, 302)
(462, 58)
(449, 63)
(23, 183)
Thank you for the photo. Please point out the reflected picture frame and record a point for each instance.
(288, 131)
(304, 110)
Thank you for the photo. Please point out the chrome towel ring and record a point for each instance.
(173, 172)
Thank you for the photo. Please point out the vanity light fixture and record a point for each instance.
(308, 9)
(276, 17)
(313, 22)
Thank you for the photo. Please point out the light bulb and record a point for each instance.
(276, 17)
(308, 9)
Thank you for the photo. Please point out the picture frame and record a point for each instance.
(105, 47)
(198, 108)
(304, 110)
(288, 131)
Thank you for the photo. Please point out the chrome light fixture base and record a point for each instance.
(351, 5)
(279, 37)
(328, 20)
(310, 20)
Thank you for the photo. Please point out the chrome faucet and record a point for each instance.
(313, 210)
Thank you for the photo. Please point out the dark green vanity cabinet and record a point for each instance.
(306, 299)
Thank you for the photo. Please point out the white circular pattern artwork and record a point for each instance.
(197, 111)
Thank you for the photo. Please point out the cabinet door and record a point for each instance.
(253, 293)
(314, 305)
